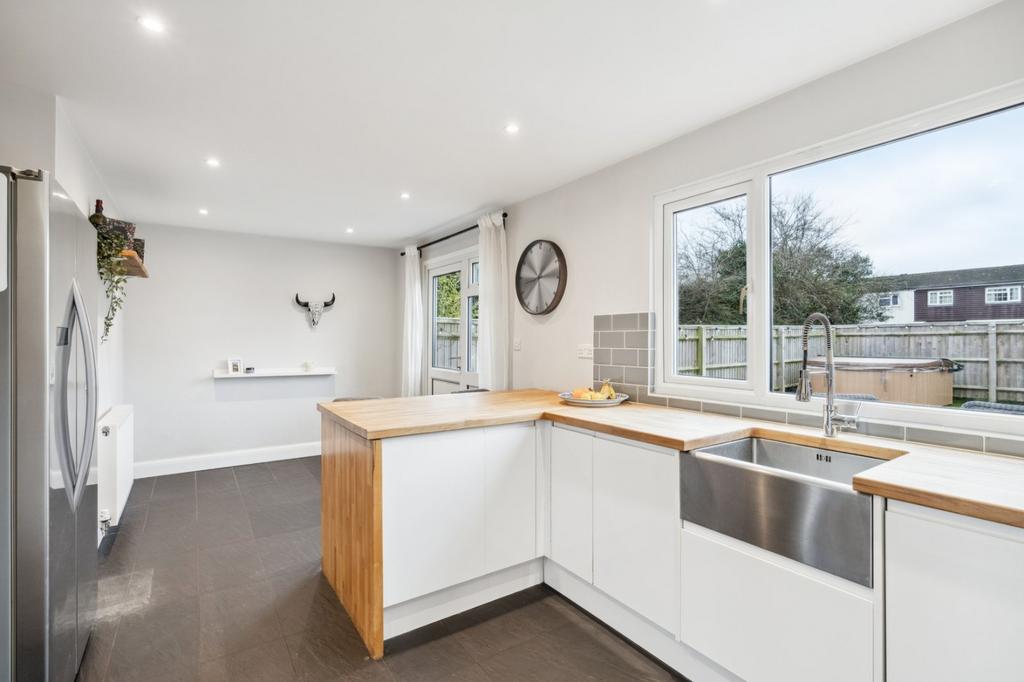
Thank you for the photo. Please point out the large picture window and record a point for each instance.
(912, 245)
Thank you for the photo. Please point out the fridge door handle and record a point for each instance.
(91, 396)
(75, 473)
(60, 408)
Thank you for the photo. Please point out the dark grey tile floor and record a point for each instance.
(216, 576)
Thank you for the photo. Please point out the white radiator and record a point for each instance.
(115, 460)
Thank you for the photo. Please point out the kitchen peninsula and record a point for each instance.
(435, 505)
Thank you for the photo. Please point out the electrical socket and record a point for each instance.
(585, 351)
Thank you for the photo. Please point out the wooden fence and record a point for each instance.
(445, 341)
(992, 353)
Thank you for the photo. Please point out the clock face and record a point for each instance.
(540, 277)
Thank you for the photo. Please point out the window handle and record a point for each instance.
(743, 296)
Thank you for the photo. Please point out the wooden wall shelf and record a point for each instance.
(134, 264)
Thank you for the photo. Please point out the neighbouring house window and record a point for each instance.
(941, 297)
(709, 237)
(1002, 295)
(906, 243)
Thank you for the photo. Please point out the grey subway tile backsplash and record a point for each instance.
(804, 419)
(627, 357)
(882, 430)
(645, 320)
(642, 339)
(1004, 446)
(602, 356)
(637, 375)
(684, 404)
(765, 414)
(611, 339)
(602, 323)
(723, 408)
(948, 439)
(609, 373)
(625, 322)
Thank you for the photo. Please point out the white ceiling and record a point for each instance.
(324, 111)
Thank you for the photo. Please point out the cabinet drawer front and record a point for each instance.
(954, 597)
(433, 512)
(770, 619)
(572, 499)
(636, 529)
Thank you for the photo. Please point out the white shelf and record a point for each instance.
(277, 372)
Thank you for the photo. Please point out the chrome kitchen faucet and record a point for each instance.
(803, 387)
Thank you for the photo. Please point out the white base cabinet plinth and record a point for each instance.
(456, 505)
(770, 619)
(954, 597)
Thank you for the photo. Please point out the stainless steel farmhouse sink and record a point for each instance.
(790, 499)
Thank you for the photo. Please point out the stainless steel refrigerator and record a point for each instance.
(48, 360)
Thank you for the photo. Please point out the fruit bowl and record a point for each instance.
(584, 402)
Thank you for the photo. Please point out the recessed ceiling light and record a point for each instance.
(512, 128)
(405, 196)
(204, 211)
(213, 162)
(152, 24)
(349, 230)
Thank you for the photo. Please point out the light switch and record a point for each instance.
(585, 351)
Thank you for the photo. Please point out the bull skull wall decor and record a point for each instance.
(315, 310)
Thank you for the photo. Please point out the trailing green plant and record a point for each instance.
(113, 272)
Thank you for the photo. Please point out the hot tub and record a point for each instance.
(921, 381)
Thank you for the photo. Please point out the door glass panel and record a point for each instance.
(446, 313)
(474, 272)
(710, 249)
(474, 332)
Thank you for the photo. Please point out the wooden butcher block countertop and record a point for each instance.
(989, 487)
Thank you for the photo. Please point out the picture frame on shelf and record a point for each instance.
(235, 366)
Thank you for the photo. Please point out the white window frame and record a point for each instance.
(1012, 295)
(665, 369)
(893, 301)
(755, 391)
(460, 261)
(937, 298)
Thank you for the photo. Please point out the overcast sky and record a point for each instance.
(945, 200)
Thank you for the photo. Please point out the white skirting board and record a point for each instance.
(217, 460)
(643, 633)
(430, 608)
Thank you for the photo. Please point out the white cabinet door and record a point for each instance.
(769, 619)
(954, 597)
(572, 497)
(434, 512)
(636, 528)
(510, 467)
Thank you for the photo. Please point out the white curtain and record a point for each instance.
(494, 294)
(412, 325)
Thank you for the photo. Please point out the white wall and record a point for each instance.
(78, 175)
(603, 221)
(211, 295)
(26, 127)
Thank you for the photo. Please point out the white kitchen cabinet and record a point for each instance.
(767, 618)
(456, 505)
(572, 498)
(510, 495)
(636, 528)
(954, 597)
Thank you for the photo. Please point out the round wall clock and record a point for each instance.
(540, 277)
